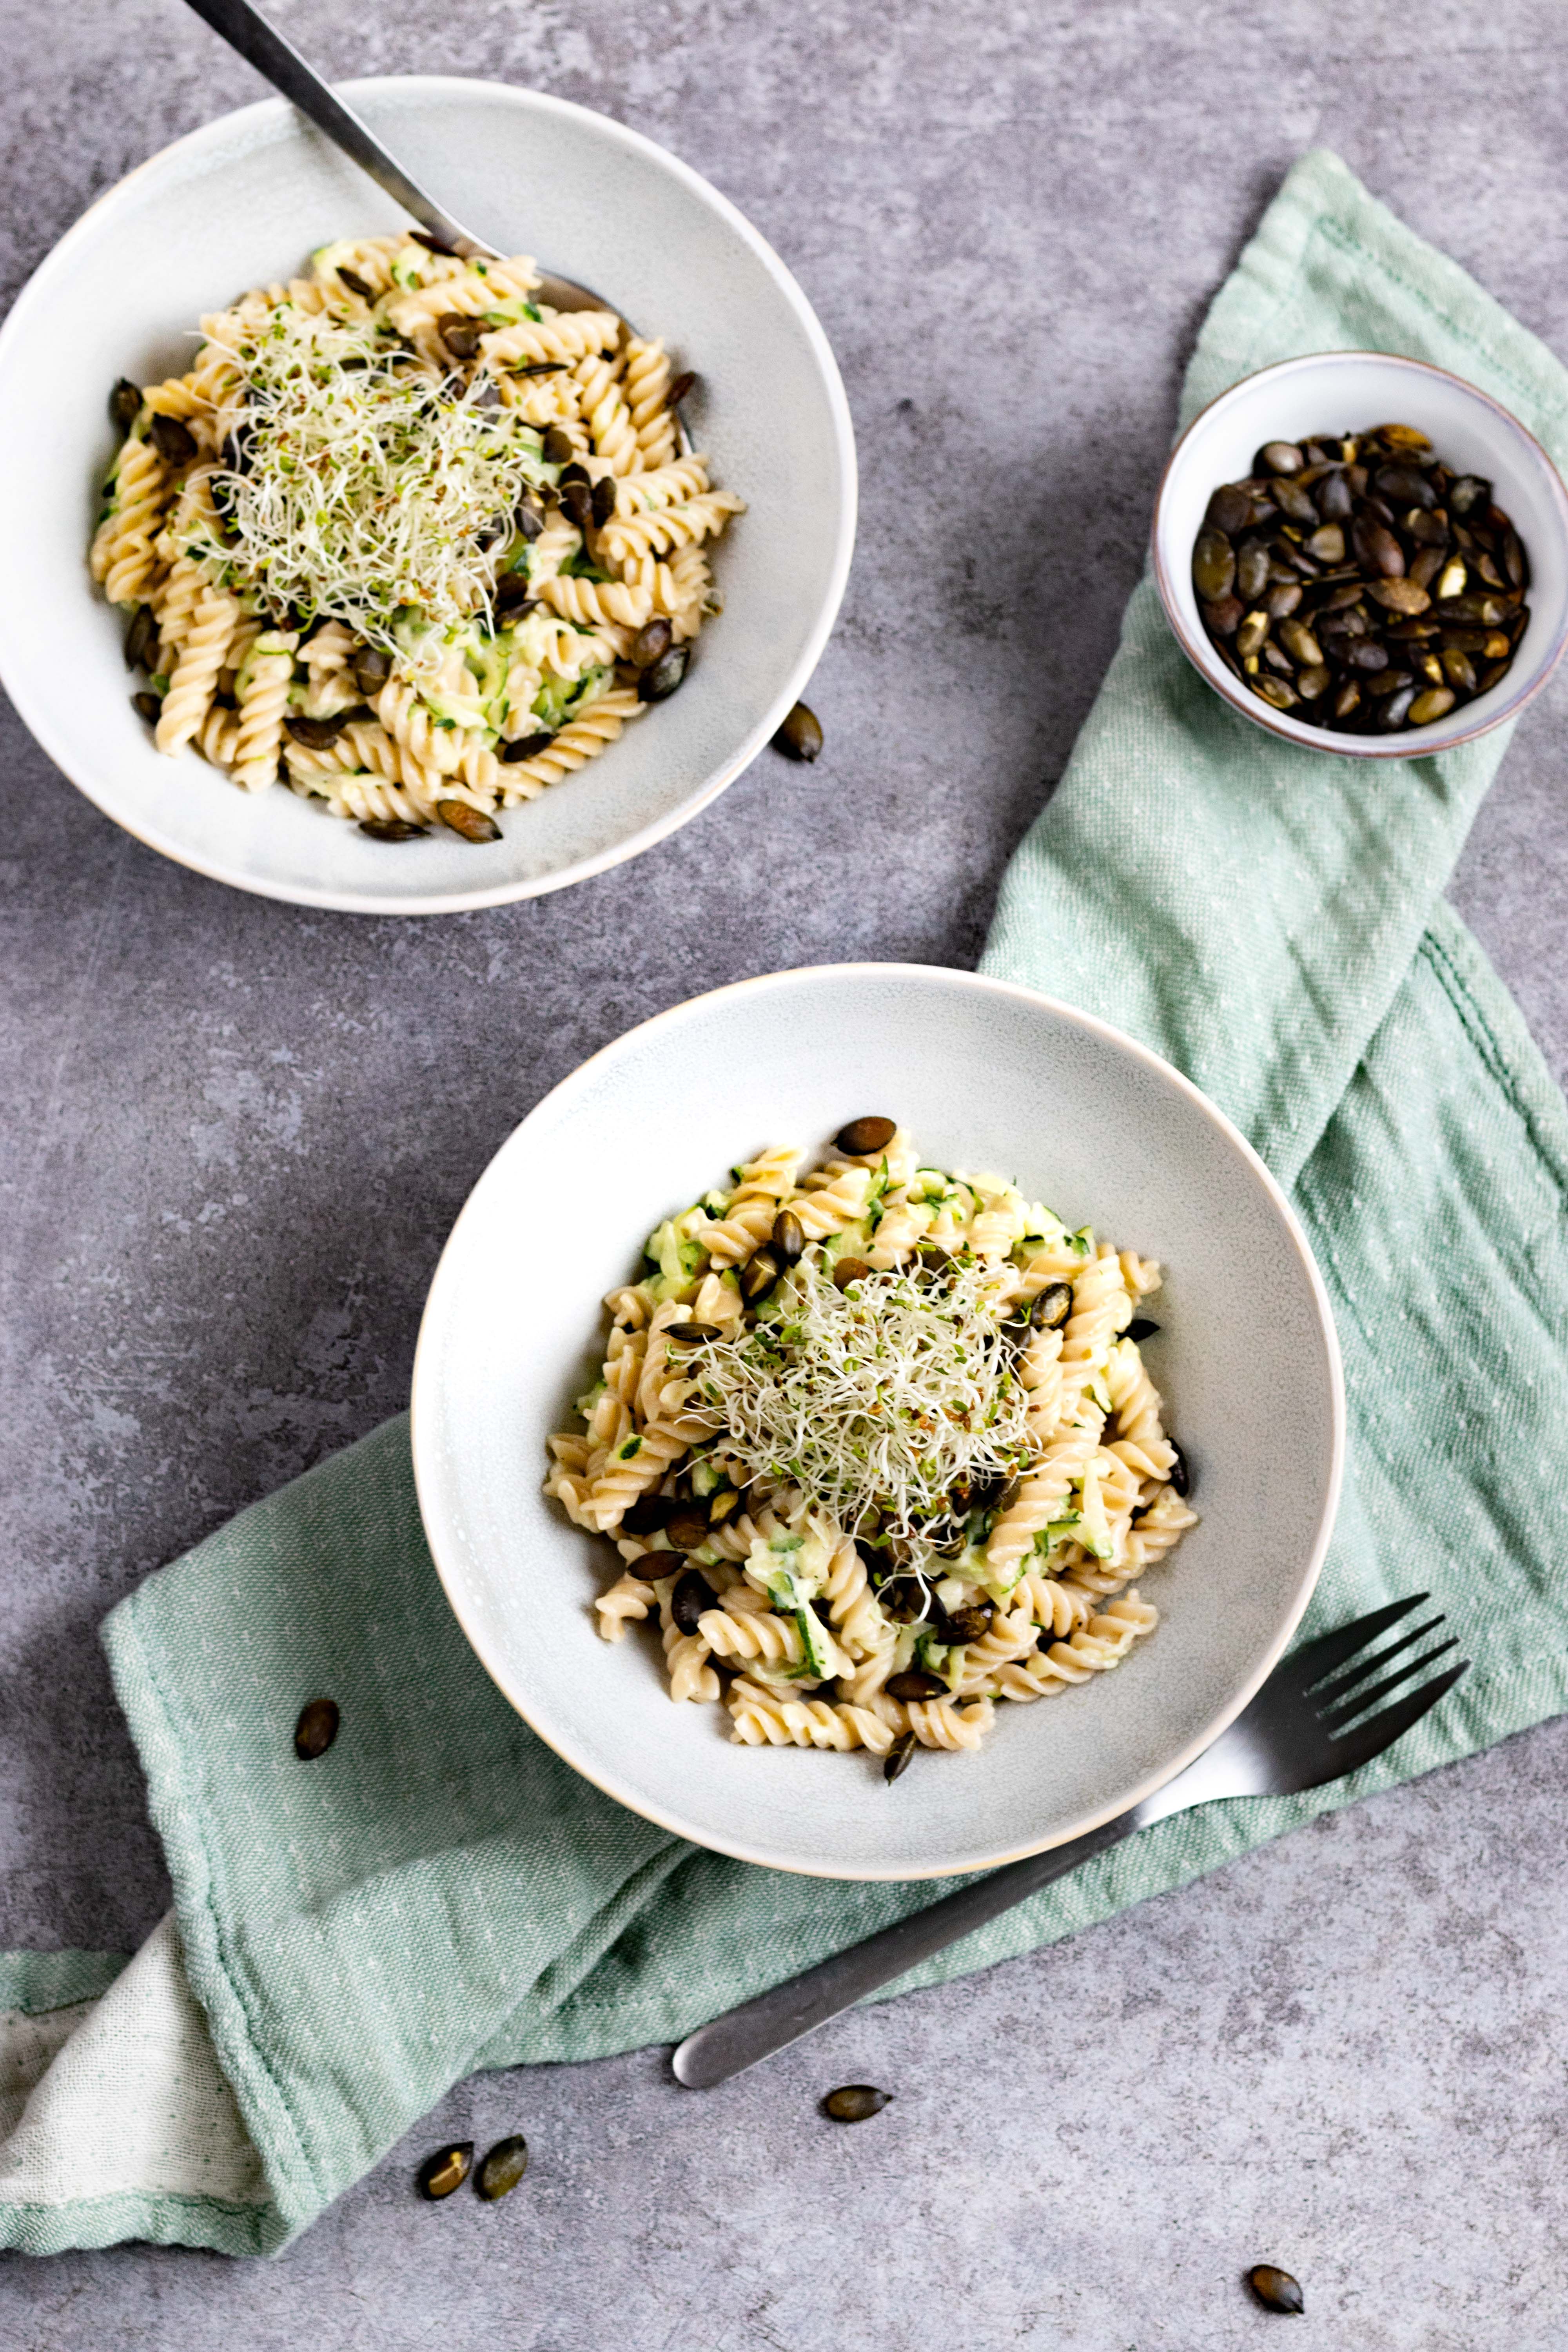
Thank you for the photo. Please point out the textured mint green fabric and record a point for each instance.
(439, 1893)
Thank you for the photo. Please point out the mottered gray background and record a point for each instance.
(236, 1134)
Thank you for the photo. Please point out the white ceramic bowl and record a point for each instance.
(243, 202)
(989, 1077)
(1329, 391)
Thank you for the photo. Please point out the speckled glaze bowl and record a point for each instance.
(243, 202)
(1327, 392)
(987, 1077)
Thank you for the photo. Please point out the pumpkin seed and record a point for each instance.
(1471, 494)
(1395, 710)
(758, 1274)
(1052, 1307)
(800, 737)
(174, 442)
(1251, 570)
(141, 638)
(1435, 703)
(1276, 2289)
(651, 643)
(316, 1730)
(915, 1685)
(686, 1527)
(1140, 1328)
(1279, 603)
(124, 404)
(470, 823)
(853, 2101)
(1278, 458)
(527, 747)
(1250, 635)
(849, 1269)
(864, 1136)
(898, 1756)
(1328, 544)
(679, 389)
(392, 828)
(316, 734)
(446, 2170)
(459, 333)
(1214, 566)
(1274, 691)
(971, 1624)
(501, 2169)
(1229, 509)
(788, 1237)
(1181, 1473)
(660, 681)
(1399, 596)
(690, 1599)
(149, 707)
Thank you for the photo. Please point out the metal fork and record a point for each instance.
(1308, 1724)
(261, 45)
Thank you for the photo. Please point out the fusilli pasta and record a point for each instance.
(804, 1347)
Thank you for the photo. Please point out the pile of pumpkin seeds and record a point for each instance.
(1358, 583)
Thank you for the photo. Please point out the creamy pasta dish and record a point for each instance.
(406, 539)
(878, 1449)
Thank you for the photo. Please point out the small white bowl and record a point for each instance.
(987, 1077)
(1348, 391)
(245, 201)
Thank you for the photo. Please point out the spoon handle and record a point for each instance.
(261, 45)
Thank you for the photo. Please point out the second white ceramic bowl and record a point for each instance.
(1348, 391)
(987, 1077)
(244, 202)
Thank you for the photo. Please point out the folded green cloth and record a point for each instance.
(439, 1893)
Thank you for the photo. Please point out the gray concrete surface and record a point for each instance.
(236, 1134)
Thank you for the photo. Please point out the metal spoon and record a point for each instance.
(261, 45)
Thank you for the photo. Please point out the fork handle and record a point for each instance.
(780, 2016)
(261, 45)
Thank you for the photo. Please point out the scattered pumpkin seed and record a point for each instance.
(472, 823)
(661, 679)
(651, 643)
(847, 1270)
(500, 2169)
(316, 1730)
(800, 737)
(124, 404)
(1276, 2289)
(852, 2103)
(691, 1597)
(758, 1274)
(917, 1684)
(788, 1237)
(680, 387)
(686, 1527)
(149, 707)
(864, 1136)
(174, 442)
(1340, 549)
(1181, 1473)
(446, 2170)
(392, 828)
(141, 638)
(1140, 1328)
(1052, 1307)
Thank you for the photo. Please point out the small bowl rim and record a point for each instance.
(433, 1499)
(38, 719)
(1426, 742)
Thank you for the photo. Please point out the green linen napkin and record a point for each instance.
(439, 1893)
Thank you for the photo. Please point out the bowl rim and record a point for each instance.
(37, 717)
(426, 1457)
(1432, 740)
